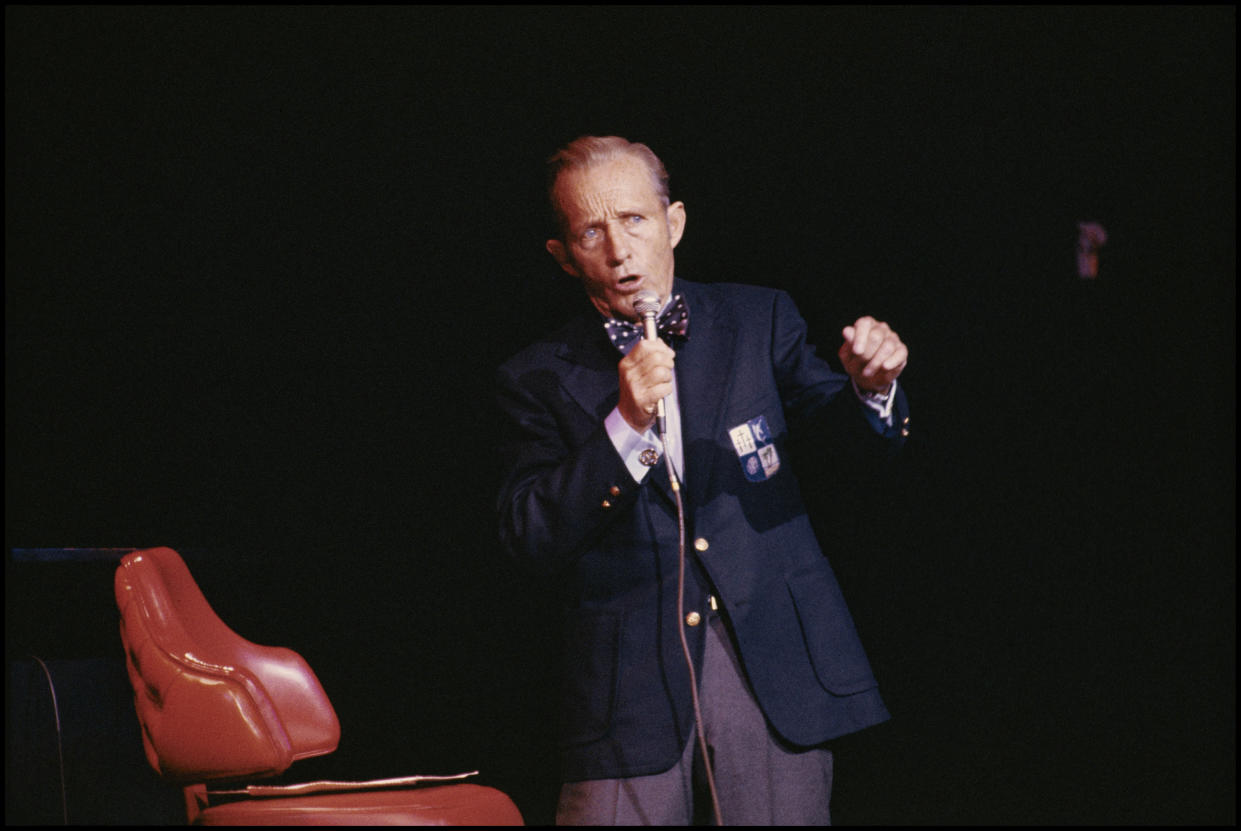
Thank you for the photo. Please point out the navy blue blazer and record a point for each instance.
(569, 509)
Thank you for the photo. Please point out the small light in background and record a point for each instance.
(1091, 236)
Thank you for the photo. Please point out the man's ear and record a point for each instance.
(556, 248)
(676, 222)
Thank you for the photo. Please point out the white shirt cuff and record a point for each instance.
(629, 443)
(881, 403)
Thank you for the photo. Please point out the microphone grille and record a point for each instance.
(646, 302)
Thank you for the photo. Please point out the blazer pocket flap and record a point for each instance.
(830, 637)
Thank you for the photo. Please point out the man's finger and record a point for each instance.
(861, 335)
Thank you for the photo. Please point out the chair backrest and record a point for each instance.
(213, 706)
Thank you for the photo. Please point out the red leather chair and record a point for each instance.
(215, 707)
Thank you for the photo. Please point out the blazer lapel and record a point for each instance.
(704, 383)
(591, 377)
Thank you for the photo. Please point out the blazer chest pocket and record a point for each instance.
(589, 675)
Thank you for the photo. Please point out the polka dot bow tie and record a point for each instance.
(673, 324)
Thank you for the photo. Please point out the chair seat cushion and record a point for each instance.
(438, 805)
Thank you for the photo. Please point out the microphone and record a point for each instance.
(646, 303)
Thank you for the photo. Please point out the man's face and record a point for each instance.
(618, 236)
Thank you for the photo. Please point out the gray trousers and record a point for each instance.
(759, 778)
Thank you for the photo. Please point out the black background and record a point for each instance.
(261, 264)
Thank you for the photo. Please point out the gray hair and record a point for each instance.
(591, 150)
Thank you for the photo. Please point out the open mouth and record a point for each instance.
(630, 279)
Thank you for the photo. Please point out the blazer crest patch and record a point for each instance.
(755, 449)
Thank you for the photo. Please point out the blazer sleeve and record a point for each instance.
(820, 399)
(562, 481)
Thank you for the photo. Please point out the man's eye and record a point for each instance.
(635, 219)
(590, 234)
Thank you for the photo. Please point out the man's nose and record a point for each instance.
(618, 246)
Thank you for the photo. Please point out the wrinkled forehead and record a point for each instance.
(605, 189)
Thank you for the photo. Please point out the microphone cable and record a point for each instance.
(674, 481)
(647, 304)
(60, 741)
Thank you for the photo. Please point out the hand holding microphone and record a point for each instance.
(646, 372)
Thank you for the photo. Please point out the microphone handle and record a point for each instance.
(652, 333)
